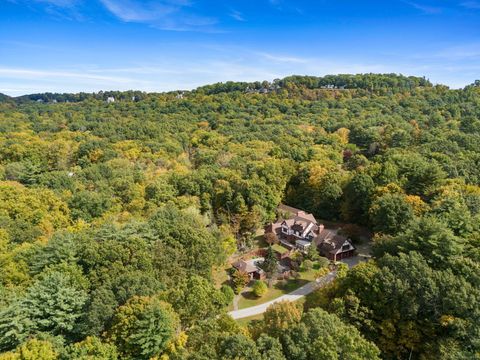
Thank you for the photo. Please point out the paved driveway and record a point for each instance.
(293, 296)
(355, 260)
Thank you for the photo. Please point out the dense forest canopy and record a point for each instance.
(117, 207)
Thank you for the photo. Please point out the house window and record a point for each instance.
(346, 247)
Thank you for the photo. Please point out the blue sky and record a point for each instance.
(92, 45)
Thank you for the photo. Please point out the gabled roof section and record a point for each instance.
(296, 214)
(248, 266)
(329, 241)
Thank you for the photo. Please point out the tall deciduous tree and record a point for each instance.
(143, 327)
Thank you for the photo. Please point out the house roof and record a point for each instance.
(329, 241)
(303, 243)
(299, 221)
(286, 208)
(324, 235)
(297, 213)
(248, 266)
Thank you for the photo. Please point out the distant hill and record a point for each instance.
(369, 82)
(4, 97)
(382, 83)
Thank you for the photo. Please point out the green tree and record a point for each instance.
(228, 293)
(32, 349)
(280, 316)
(239, 280)
(269, 348)
(54, 303)
(90, 348)
(143, 327)
(259, 288)
(312, 253)
(195, 299)
(238, 346)
(357, 198)
(427, 236)
(323, 336)
(390, 213)
(270, 264)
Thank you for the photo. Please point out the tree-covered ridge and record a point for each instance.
(113, 215)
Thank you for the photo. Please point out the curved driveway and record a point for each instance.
(293, 296)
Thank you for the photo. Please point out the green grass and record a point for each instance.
(249, 299)
(280, 249)
(247, 320)
(309, 275)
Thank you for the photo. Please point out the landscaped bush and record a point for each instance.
(323, 262)
(307, 265)
(259, 288)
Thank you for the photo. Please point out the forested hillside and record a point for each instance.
(114, 216)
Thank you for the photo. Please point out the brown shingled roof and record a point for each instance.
(330, 242)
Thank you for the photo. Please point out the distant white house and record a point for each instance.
(110, 99)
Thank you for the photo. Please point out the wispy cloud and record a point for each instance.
(425, 8)
(33, 74)
(458, 52)
(127, 10)
(284, 58)
(58, 9)
(178, 15)
(237, 15)
(471, 4)
(60, 3)
(175, 15)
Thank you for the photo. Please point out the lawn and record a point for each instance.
(248, 299)
(280, 249)
(247, 320)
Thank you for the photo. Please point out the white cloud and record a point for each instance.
(471, 4)
(127, 10)
(455, 53)
(32, 74)
(426, 9)
(177, 15)
(284, 59)
(237, 15)
(60, 3)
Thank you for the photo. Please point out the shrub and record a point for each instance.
(228, 292)
(307, 265)
(323, 262)
(259, 288)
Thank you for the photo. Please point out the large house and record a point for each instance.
(297, 229)
(294, 227)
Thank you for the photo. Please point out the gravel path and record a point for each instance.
(293, 296)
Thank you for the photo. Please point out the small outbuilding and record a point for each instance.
(251, 267)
